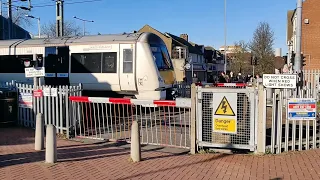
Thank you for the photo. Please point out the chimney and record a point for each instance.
(185, 37)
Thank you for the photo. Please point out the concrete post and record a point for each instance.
(261, 126)
(193, 147)
(39, 135)
(51, 144)
(135, 142)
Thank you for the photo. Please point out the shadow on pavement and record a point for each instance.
(176, 167)
(80, 153)
(16, 136)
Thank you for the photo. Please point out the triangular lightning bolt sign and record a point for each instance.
(224, 108)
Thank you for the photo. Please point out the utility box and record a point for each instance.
(8, 107)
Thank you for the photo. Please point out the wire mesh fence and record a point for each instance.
(243, 135)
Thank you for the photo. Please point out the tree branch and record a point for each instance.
(70, 29)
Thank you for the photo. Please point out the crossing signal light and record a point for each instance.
(293, 55)
(254, 60)
(303, 60)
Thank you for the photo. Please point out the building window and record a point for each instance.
(127, 61)
(94, 62)
(179, 53)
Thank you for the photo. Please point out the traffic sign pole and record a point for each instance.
(35, 79)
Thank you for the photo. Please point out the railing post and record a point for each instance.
(39, 135)
(51, 144)
(193, 138)
(261, 124)
(135, 142)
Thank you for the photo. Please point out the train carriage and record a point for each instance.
(137, 65)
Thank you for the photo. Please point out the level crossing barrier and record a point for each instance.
(230, 85)
(165, 123)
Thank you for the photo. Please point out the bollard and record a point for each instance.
(135, 142)
(51, 144)
(39, 135)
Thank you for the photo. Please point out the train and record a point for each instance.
(132, 65)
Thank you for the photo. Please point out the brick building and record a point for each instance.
(310, 43)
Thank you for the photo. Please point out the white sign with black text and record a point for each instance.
(50, 92)
(280, 81)
(34, 72)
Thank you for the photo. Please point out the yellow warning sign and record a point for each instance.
(225, 125)
(224, 108)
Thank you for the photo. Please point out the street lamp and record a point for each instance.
(39, 28)
(225, 36)
(84, 24)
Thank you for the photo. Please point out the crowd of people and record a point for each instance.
(231, 78)
(228, 77)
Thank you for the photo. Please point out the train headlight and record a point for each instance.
(27, 63)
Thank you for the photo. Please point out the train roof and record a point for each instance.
(69, 41)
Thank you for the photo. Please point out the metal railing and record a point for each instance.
(52, 102)
(284, 135)
(163, 123)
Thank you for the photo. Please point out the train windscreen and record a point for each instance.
(161, 57)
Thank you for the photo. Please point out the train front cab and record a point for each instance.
(155, 73)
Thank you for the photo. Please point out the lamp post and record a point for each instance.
(84, 23)
(39, 27)
(225, 36)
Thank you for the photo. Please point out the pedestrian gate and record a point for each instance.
(226, 118)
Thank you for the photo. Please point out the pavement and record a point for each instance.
(85, 160)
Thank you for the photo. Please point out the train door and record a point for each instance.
(50, 58)
(127, 67)
(62, 68)
(57, 66)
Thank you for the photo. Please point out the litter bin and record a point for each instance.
(8, 107)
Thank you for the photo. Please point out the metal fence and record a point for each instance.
(183, 89)
(52, 102)
(284, 135)
(8, 85)
(226, 118)
(311, 78)
(165, 123)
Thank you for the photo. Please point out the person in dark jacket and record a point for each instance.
(222, 78)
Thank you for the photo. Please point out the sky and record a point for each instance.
(202, 20)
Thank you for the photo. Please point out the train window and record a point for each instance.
(161, 56)
(12, 63)
(127, 61)
(109, 62)
(86, 63)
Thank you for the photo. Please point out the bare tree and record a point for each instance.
(240, 58)
(70, 29)
(19, 18)
(262, 47)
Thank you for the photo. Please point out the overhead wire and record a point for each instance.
(53, 4)
(72, 2)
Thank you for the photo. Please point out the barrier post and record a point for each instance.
(51, 144)
(261, 124)
(39, 135)
(135, 142)
(193, 149)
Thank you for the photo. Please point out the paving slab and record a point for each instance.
(106, 160)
